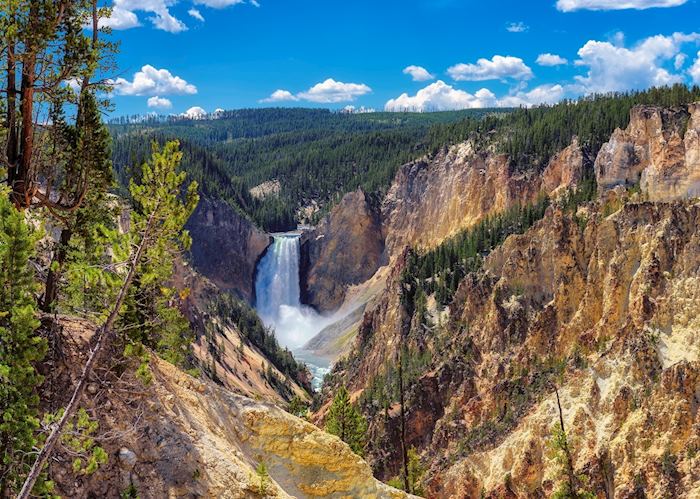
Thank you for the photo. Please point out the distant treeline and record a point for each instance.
(318, 155)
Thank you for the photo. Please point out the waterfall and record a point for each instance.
(278, 294)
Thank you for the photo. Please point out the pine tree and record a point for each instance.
(20, 349)
(152, 318)
(345, 421)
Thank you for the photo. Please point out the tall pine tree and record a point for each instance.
(346, 422)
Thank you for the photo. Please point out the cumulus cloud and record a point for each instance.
(119, 19)
(519, 27)
(551, 60)
(573, 5)
(694, 71)
(124, 13)
(440, 96)
(544, 94)
(418, 73)
(281, 96)
(617, 68)
(196, 14)
(159, 102)
(161, 17)
(194, 113)
(152, 81)
(331, 91)
(498, 68)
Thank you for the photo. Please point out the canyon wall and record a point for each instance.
(602, 302)
(659, 151)
(226, 247)
(344, 250)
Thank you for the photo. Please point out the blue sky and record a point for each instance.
(410, 54)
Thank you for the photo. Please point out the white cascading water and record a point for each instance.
(278, 301)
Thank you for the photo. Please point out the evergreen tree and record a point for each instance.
(152, 318)
(20, 349)
(346, 422)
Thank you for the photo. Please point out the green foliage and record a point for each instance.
(416, 470)
(263, 477)
(79, 440)
(21, 348)
(559, 445)
(150, 317)
(345, 421)
(129, 493)
(298, 407)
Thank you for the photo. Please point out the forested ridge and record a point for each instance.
(316, 155)
(319, 155)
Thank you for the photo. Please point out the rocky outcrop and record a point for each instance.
(431, 200)
(659, 150)
(226, 247)
(566, 169)
(183, 437)
(607, 307)
(345, 249)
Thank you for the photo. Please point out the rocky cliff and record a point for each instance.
(226, 247)
(345, 249)
(183, 437)
(601, 302)
(659, 151)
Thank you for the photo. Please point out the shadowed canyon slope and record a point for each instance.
(226, 247)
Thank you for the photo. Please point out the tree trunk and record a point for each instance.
(55, 270)
(11, 149)
(22, 183)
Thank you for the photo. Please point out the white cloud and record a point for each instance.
(418, 73)
(551, 60)
(519, 27)
(331, 91)
(544, 94)
(498, 68)
(679, 61)
(119, 19)
(616, 68)
(220, 4)
(573, 5)
(159, 102)
(694, 71)
(152, 81)
(440, 96)
(124, 15)
(194, 113)
(196, 14)
(281, 96)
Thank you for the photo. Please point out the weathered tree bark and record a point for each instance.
(102, 338)
(55, 270)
